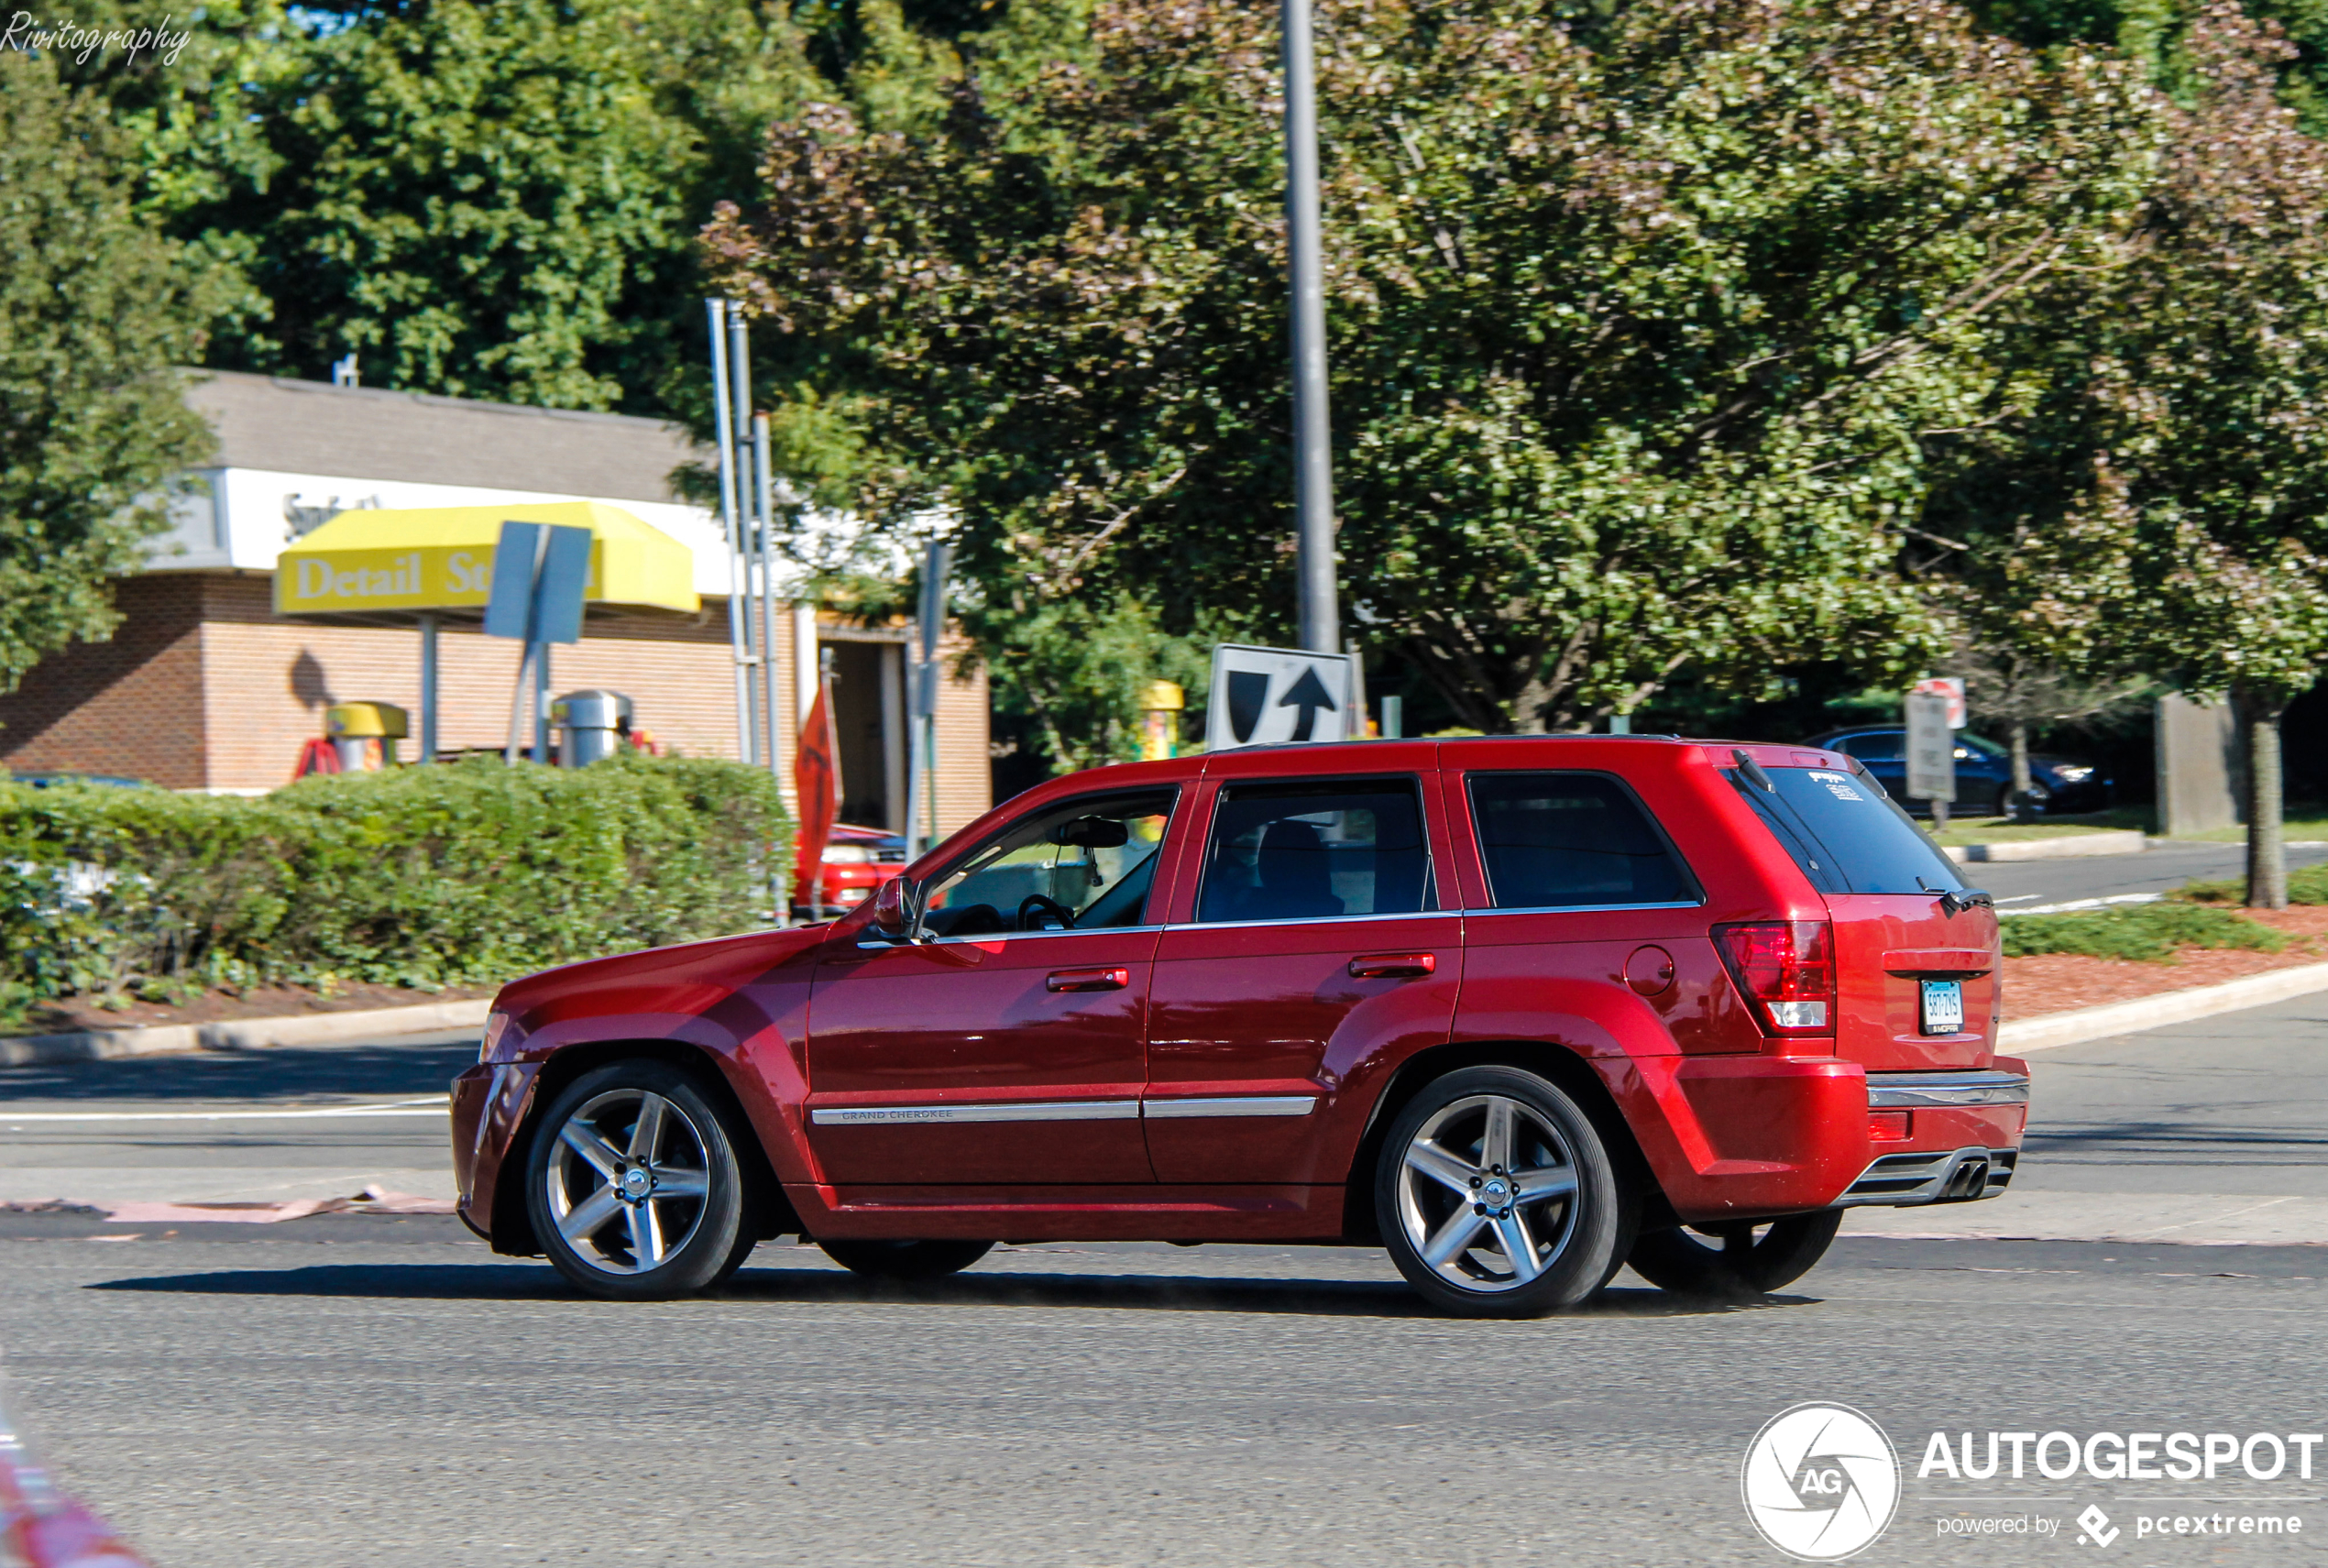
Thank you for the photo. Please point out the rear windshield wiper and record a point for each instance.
(1954, 901)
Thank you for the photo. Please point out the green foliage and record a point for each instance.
(95, 309)
(1638, 349)
(425, 877)
(2149, 932)
(2306, 885)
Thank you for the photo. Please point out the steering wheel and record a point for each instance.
(1037, 901)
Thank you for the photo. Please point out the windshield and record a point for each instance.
(1845, 833)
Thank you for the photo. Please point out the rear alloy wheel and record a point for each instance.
(1497, 1198)
(906, 1260)
(634, 1186)
(1749, 1258)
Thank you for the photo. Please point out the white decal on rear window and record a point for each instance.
(1839, 785)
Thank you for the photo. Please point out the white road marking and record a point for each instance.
(434, 1106)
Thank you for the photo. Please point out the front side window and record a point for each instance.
(1081, 865)
(1559, 841)
(1316, 849)
(1882, 745)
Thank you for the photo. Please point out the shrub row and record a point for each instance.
(463, 874)
(2147, 931)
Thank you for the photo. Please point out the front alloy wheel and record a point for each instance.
(635, 1189)
(1497, 1196)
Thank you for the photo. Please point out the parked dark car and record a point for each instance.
(1983, 772)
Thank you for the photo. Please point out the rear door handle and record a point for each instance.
(1392, 966)
(1089, 979)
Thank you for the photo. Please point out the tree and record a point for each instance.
(94, 311)
(1638, 349)
(2189, 444)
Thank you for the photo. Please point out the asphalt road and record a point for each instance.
(284, 1123)
(367, 1390)
(2161, 868)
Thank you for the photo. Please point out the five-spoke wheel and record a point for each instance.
(635, 1189)
(1497, 1198)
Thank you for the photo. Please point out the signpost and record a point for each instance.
(924, 674)
(1952, 688)
(1313, 453)
(1931, 753)
(1264, 697)
(539, 573)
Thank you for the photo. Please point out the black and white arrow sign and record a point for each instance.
(1264, 697)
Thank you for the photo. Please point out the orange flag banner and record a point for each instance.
(815, 781)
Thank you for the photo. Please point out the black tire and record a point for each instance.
(906, 1260)
(701, 1204)
(1731, 1261)
(1443, 1142)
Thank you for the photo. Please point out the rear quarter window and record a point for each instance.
(1554, 840)
(1845, 833)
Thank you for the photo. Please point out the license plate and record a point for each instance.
(1943, 1007)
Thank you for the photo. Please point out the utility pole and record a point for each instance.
(1321, 620)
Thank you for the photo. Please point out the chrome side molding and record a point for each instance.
(1231, 1106)
(1907, 1090)
(1024, 1111)
(1062, 1111)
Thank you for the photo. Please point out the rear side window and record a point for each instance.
(1568, 840)
(1845, 833)
(1316, 849)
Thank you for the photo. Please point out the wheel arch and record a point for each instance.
(768, 1211)
(1562, 1066)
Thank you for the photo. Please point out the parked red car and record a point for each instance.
(1519, 1010)
(856, 862)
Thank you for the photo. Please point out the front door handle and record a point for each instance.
(1089, 980)
(1392, 966)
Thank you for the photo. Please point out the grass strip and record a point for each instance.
(2149, 933)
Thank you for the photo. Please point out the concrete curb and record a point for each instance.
(2069, 847)
(2053, 1029)
(241, 1034)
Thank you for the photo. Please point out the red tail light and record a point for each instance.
(1787, 968)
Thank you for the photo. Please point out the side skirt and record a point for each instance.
(1132, 1213)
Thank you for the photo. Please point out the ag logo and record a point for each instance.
(1821, 1482)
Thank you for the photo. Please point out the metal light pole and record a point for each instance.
(757, 747)
(722, 407)
(1320, 627)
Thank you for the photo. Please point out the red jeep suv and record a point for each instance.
(1519, 1010)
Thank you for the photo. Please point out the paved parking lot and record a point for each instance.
(384, 1391)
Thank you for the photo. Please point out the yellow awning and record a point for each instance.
(440, 558)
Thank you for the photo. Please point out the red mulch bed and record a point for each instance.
(2056, 982)
(217, 1006)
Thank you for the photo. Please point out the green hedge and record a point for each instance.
(463, 874)
(2148, 931)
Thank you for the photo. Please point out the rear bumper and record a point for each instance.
(1968, 1127)
(1733, 1137)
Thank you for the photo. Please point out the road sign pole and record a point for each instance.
(721, 410)
(1321, 620)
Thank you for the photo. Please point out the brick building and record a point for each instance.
(204, 688)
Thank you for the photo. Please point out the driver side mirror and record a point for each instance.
(896, 911)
